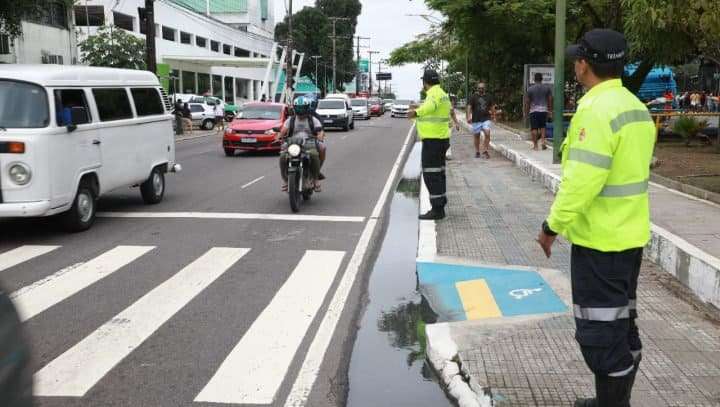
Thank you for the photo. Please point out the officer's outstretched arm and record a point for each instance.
(429, 106)
(589, 158)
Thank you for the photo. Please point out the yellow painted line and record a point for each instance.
(477, 300)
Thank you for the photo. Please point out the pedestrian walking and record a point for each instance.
(433, 120)
(178, 112)
(187, 118)
(538, 104)
(480, 111)
(602, 208)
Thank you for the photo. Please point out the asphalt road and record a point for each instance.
(214, 295)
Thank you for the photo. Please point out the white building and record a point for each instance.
(225, 53)
(46, 39)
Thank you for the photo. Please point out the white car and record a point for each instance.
(336, 113)
(203, 115)
(71, 134)
(400, 108)
(361, 108)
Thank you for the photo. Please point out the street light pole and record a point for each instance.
(317, 80)
(150, 57)
(290, 57)
(334, 41)
(559, 98)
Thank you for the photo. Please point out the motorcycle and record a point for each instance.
(300, 181)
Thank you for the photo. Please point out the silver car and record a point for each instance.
(361, 108)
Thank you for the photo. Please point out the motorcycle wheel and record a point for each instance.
(294, 191)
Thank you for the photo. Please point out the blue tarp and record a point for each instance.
(656, 83)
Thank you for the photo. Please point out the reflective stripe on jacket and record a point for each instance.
(433, 117)
(602, 202)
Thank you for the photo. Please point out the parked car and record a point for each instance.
(376, 107)
(361, 108)
(336, 113)
(256, 128)
(71, 134)
(400, 108)
(229, 109)
(203, 115)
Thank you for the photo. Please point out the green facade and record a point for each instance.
(216, 6)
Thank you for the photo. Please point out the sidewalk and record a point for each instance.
(507, 339)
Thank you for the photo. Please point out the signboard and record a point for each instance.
(384, 76)
(364, 65)
(547, 71)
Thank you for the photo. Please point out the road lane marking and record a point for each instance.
(231, 215)
(41, 295)
(77, 370)
(22, 254)
(318, 348)
(252, 182)
(254, 370)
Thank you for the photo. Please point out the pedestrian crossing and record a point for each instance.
(253, 370)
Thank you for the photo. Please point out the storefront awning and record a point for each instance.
(225, 61)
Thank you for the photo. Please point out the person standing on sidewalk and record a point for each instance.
(479, 113)
(602, 208)
(433, 128)
(538, 104)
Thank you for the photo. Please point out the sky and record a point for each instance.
(389, 27)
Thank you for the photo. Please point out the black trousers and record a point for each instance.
(433, 165)
(604, 291)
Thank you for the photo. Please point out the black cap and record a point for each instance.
(431, 75)
(600, 45)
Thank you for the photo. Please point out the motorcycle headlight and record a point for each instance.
(294, 150)
(20, 174)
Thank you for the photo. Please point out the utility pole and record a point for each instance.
(370, 73)
(150, 57)
(317, 80)
(357, 63)
(289, 77)
(334, 40)
(559, 94)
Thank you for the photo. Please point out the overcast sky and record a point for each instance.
(385, 21)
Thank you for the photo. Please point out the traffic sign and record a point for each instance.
(384, 76)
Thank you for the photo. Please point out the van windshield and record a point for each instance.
(23, 105)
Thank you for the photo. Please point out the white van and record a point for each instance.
(69, 134)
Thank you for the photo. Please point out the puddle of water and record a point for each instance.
(388, 366)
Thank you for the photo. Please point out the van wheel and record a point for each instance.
(352, 125)
(346, 127)
(153, 189)
(81, 215)
(208, 124)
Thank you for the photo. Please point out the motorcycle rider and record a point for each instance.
(302, 124)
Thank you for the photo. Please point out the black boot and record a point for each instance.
(433, 214)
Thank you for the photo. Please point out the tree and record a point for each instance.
(113, 47)
(12, 12)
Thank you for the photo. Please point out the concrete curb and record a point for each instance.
(696, 269)
(686, 188)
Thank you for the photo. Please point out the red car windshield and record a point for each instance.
(261, 113)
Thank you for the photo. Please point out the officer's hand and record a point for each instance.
(546, 241)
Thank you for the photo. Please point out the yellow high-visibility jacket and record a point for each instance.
(602, 202)
(433, 117)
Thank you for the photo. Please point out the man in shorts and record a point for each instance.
(538, 103)
(480, 111)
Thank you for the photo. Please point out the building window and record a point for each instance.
(215, 46)
(123, 21)
(175, 82)
(4, 44)
(217, 82)
(239, 52)
(53, 14)
(203, 80)
(185, 38)
(201, 42)
(264, 10)
(168, 33)
(147, 101)
(112, 104)
(227, 49)
(94, 14)
(188, 82)
(51, 59)
(229, 89)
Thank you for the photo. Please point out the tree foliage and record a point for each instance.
(113, 47)
(312, 31)
(500, 36)
(12, 12)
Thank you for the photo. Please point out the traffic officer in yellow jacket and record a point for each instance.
(433, 128)
(602, 208)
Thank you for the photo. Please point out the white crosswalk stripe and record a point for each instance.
(39, 296)
(22, 254)
(77, 370)
(253, 372)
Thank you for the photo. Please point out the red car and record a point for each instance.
(256, 128)
(376, 107)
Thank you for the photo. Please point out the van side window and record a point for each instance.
(147, 101)
(112, 104)
(196, 108)
(65, 101)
